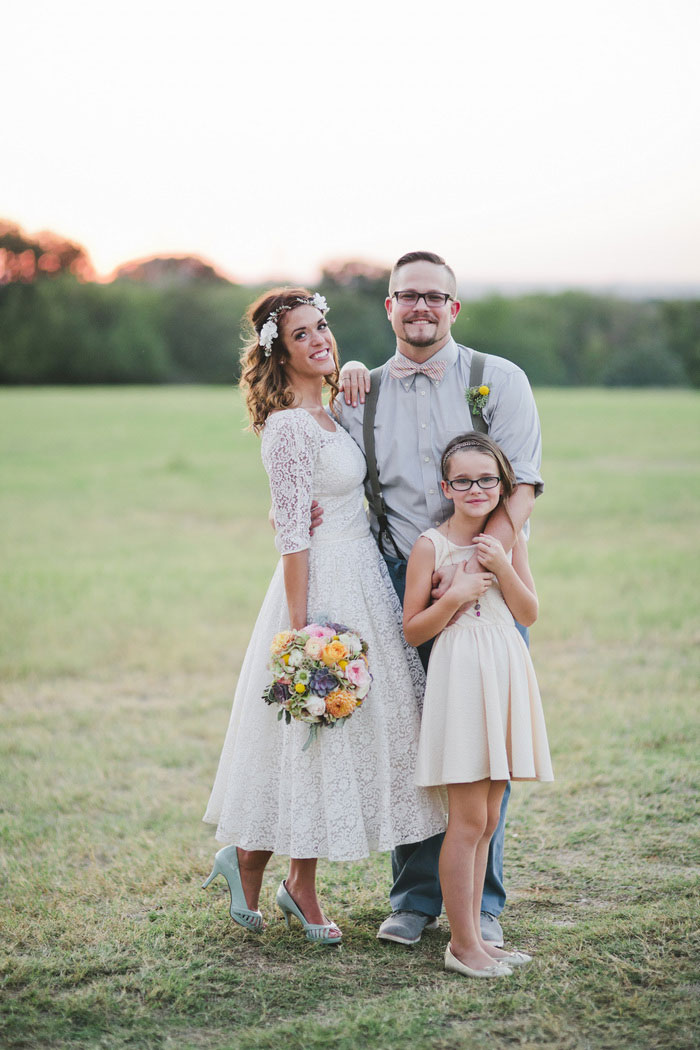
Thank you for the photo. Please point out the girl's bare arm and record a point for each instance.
(514, 578)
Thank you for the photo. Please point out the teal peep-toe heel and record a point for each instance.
(226, 864)
(320, 934)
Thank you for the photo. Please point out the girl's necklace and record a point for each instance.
(477, 604)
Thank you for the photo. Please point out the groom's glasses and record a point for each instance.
(410, 298)
(465, 484)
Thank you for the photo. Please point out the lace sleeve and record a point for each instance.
(289, 447)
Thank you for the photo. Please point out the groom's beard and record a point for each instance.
(427, 338)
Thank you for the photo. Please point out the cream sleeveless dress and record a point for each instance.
(482, 713)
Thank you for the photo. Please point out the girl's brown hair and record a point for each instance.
(264, 380)
(476, 442)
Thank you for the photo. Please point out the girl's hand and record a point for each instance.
(490, 552)
(469, 586)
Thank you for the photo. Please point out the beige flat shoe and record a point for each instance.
(498, 969)
(516, 959)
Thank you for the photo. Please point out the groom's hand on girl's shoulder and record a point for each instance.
(442, 578)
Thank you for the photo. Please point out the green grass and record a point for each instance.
(136, 553)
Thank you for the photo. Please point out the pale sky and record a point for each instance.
(546, 141)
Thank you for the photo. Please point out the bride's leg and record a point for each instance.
(252, 867)
(301, 886)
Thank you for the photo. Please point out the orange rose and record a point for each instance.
(333, 652)
(340, 703)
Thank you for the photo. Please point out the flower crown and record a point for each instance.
(269, 331)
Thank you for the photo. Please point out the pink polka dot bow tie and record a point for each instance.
(434, 370)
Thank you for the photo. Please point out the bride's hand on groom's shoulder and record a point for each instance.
(354, 382)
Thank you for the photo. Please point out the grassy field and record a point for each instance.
(135, 555)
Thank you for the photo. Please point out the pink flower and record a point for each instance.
(314, 648)
(317, 630)
(357, 674)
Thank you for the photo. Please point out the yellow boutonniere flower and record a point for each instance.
(476, 397)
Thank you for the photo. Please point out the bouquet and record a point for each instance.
(320, 675)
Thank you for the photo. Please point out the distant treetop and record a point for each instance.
(161, 272)
(25, 258)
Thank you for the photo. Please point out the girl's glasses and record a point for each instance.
(464, 484)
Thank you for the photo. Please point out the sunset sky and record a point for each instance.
(532, 142)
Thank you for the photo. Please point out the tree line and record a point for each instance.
(178, 321)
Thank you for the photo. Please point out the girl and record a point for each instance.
(482, 716)
(351, 790)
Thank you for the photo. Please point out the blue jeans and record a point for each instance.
(415, 865)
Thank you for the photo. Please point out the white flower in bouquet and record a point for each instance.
(315, 705)
(351, 642)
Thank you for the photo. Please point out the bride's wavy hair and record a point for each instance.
(264, 380)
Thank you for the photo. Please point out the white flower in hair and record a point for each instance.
(268, 334)
(319, 301)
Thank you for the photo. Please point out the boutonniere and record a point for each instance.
(476, 397)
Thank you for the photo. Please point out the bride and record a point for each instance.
(351, 790)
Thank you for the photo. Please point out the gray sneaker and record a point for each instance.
(406, 927)
(491, 929)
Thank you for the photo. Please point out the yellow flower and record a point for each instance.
(333, 652)
(281, 641)
(483, 390)
(300, 687)
(342, 664)
(285, 658)
(340, 703)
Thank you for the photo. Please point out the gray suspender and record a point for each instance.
(375, 498)
(476, 375)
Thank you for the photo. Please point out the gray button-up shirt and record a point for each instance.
(417, 417)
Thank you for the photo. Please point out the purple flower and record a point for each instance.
(338, 628)
(280, 692)
(323, 682)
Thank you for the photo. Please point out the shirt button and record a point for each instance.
(426, 459)
(422, 393)
(423, 426)
(431, 492)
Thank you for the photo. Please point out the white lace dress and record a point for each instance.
(353, 789)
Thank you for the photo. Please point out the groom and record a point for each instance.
(420, 408)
